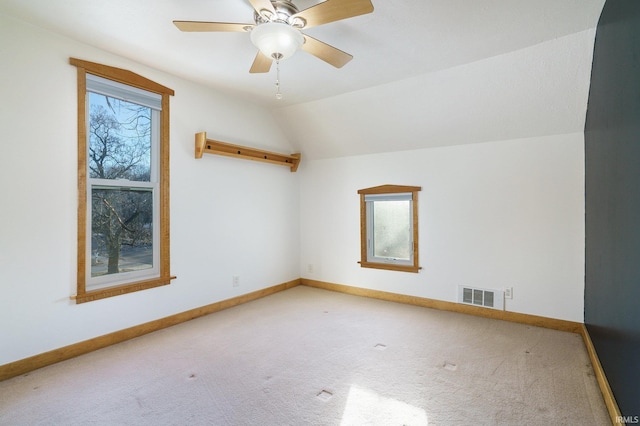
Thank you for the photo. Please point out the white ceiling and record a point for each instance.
(400, 39)
(401, 42)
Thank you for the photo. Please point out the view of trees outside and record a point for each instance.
(392, 229)
(119, 159)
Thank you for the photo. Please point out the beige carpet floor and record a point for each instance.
(312, 357)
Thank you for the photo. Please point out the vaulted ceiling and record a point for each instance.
(425, 72)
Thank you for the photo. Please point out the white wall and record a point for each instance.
(228, 216)
(491, 215)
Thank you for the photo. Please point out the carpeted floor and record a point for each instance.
(312, 357)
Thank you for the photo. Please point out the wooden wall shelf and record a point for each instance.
(210, 146)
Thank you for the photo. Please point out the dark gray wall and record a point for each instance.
(612, 149)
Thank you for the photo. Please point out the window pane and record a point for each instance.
(392, 229)
(119, 139)
(121, 230)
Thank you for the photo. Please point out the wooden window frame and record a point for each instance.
(134, 80)
(388, 189)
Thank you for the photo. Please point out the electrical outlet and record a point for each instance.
(235, 281)
(310, 268)
(508, 293)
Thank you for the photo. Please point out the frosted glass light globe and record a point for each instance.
(276, 40)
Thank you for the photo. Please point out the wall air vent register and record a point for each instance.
(487, 298)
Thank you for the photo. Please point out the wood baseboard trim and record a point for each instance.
(607, 394)
(26, 365)
(538, 321)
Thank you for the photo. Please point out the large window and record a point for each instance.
(123, 182)
(389, 227)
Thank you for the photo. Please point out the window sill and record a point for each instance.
(103, 293)
(391, 267)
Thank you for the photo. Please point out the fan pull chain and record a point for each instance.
(278, 94)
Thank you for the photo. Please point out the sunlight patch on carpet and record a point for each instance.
(365, 406)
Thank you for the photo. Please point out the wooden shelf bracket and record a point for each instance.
(210, 146)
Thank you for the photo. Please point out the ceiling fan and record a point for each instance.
(276, 30)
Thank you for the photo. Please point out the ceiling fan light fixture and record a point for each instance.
(276, 40)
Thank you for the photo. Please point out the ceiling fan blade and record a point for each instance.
(260, 5)
(196, 26)
(261, 63)
(327, 53)
(334, 10)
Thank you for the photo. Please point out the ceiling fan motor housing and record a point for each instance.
(284, 9)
